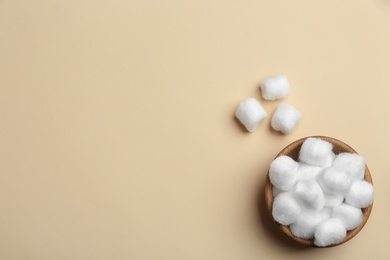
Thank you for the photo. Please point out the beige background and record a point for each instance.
(117, 136)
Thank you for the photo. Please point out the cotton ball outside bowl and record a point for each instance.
(292, 150)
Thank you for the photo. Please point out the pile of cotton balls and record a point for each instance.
(321, 196)
(286, 117)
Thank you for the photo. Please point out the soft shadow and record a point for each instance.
(240, 125)
(273, 131)
(269, 226)
(265, 101)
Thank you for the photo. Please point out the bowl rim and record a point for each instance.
(294, 147)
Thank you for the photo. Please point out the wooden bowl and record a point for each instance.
(292, 150)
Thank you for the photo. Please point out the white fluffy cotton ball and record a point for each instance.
(332, 200)
(310, 194)
(308, 172)
(285, 118)
(283, 172)
(352, 163)
(286, 208)
(334, 181)
(275, 87)
(317, 152)
(305, 225)
(276, 191)
(329, 232)
(349, 215)
(250, 113)
(326, 213)
(361, 194)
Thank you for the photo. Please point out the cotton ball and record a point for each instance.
(326, 213)
(334, 181)
(286, 208)
(250, 113)
(352, 163)
(285, 118)
(310, 194)
(308, 172)
(317, 152)
(361, 194)
(332, 200)
(305, 226)
(276, 191)
(349, 215)
(283, 172)
(275, 87)
(329, 232)
(329, 160)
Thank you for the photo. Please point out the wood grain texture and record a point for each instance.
(292, 150)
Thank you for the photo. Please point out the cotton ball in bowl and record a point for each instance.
(334, 181)
(283, 172)
(310, 194)
(305, 225)
(361, 194)
(307, 222)
(308, 172)
(352, 163)
(329, 232)
(349, 215)
(333, 200)
(276, 191)
(317, 152)
(286, 208)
